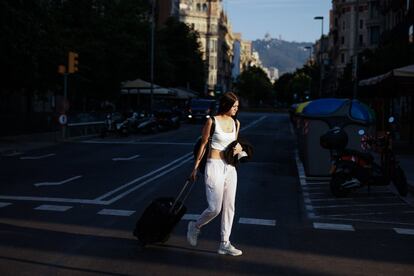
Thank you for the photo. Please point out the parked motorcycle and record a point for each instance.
(110, 123)
(352, 169)
(167, 119)
(147, 124)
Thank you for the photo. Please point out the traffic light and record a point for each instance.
(73, 62)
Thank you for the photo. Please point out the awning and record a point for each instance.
(159, 91)
(138, 83)
(407, 71)
(184, 94)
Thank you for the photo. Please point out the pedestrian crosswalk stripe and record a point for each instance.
(190, 217)
(58, 208)
(266, 222)
(404, 231)
(4, 204)
(115, 212)
(333, 226)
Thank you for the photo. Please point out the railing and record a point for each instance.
(84, 129)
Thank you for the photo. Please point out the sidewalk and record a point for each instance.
(12, 145)
(405, 155)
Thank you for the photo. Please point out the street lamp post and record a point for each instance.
(321, 54)
(152, 56)
(309, 48)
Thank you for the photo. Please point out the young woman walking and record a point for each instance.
(220, 178)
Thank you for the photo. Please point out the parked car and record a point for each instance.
(201, 109)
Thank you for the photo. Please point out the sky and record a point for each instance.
(292, 20)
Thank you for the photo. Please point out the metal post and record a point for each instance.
(355, 73)
(321, 50)
(208, 47)
(65, 99)
(310, 59)
(152, 57)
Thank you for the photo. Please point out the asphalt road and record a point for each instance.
(70, 210)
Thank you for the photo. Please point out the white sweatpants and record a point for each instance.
(221, 182)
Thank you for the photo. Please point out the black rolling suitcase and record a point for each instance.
(160, 217)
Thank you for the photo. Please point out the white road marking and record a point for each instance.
(58, 208)
(191, 217)
(370, 221)
(99, 200)
(54, 199)
(57, 183)
(159, 172)
(333, 226)
(367, 214)
(165, 143)
(404, 231)
(315, 178)
(265, 222)
(309, 207)
(13, 154)
(359, 205)
(109, 142)
(4, 204)
(253, 123)
(125, 159)
(317, 183)
(115, 212)
(350, 198)
(37, 157)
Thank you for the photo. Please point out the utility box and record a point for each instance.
(321, 115)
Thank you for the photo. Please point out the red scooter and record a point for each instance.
(353, 169)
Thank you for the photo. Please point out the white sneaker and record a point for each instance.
(192, 233)
(226, 248)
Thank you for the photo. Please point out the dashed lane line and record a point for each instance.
(116, 212)
(190, 217)
(358, 205)
(4, 204)
(37, 157)
(404, 231)
(265, 222)
(57, 208)
(253, 221)
(125, 158)
(57, 183)
(333, 226)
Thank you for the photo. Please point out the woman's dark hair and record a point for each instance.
(226, 102)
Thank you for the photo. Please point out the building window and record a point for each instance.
(342, 58)
(342, 40)
(374, 35)
(198, 7)
(361, 24)
(361, 40)
(204, 7)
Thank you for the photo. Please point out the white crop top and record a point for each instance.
(220, 139)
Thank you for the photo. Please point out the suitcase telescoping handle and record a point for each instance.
(187, 186)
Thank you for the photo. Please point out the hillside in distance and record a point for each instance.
(284, 55)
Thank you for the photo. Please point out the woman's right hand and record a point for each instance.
(193, 175)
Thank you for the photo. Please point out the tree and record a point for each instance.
(254, 86)
(179, 59)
